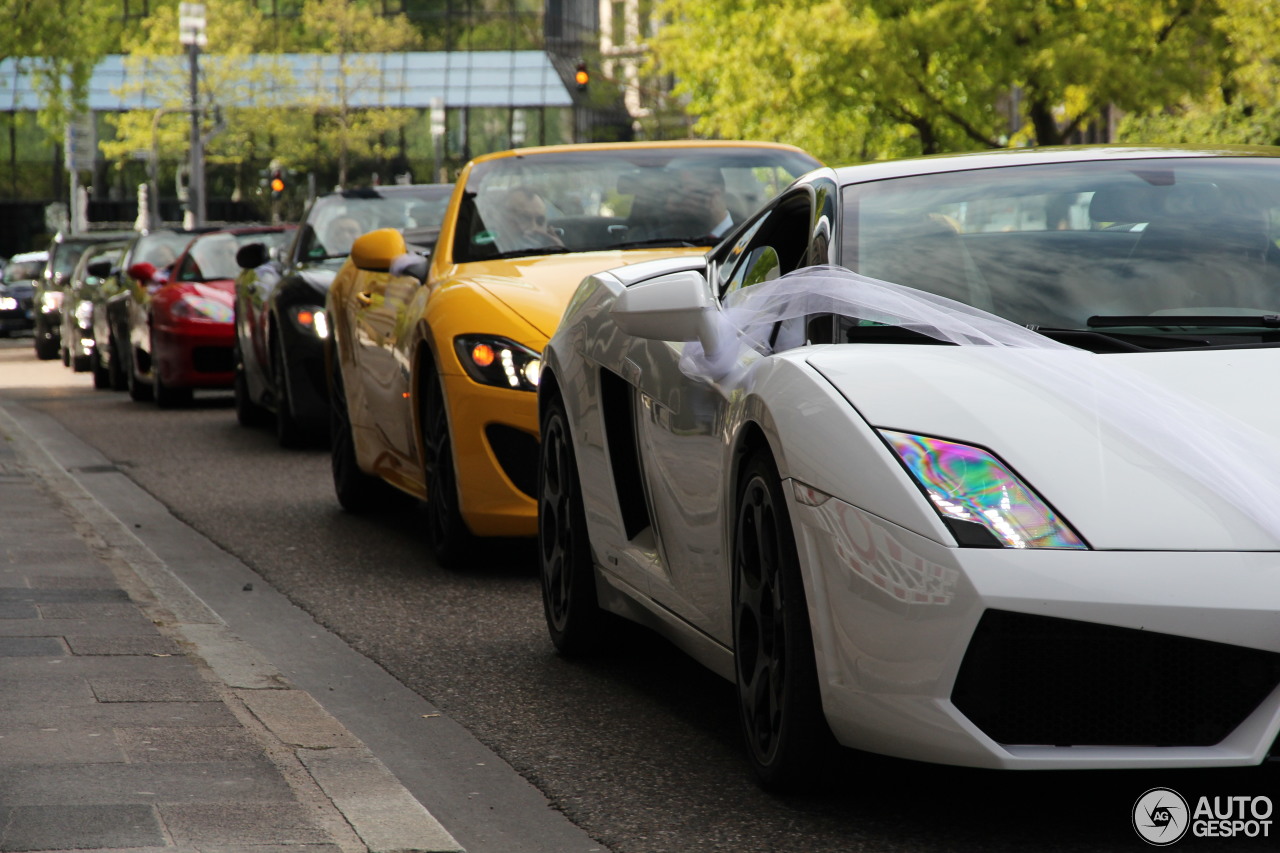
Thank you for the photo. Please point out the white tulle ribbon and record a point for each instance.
(1226, 456)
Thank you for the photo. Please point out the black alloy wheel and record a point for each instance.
(289, 433)
(447, 532)
(788, 740)
(248, 413)
(574, 618)
(357, 491)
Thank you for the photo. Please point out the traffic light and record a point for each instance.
(277, 184)
(581, 77)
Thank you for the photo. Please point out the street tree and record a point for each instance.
(858, 79)
(240, 114)
(348, 31)
(60, 42)
(1241, 107)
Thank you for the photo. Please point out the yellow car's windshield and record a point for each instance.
(611, 198)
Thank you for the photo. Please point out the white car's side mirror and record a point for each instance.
(673, 307)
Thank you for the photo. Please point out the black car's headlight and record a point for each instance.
(979, 498)
(309, 320)
(499, 362)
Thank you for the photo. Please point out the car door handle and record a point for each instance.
(365, 299)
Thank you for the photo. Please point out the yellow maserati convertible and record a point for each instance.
(434, 352)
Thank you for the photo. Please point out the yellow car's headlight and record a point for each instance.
(499, 362)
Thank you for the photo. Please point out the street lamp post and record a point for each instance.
(191, 32)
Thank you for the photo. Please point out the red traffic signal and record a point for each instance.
(581, 77)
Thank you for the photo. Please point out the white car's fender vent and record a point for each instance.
(1038, 680)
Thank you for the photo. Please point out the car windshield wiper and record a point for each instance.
(1121, 342)
(1243, 321)
(540, 250)
(656, 241)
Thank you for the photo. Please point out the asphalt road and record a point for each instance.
(639, 747)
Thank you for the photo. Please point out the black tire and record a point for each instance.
(101, 376)
(574, 618)
(115, 369)
(248, 413)
(289, 433)
(788, 741)
(166, 396)
(446, 531)
(65, 355)
(81, 363)
(47, 345)
(357, 491)
(139, 391)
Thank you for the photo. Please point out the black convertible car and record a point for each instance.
(280, 321)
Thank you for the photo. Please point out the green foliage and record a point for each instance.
(1241, 108)
(255, 125)
(62, 41)
(859, 79)
(343, 28)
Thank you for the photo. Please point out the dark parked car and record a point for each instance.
(181, 333)
(17, 291)
(64, 253)
(79, 305)
(280, 320)
(110, 361)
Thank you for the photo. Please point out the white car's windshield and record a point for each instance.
(1150, 247)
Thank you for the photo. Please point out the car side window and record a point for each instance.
(776, 244)
(189, 271)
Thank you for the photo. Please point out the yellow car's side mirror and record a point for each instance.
(376, 250)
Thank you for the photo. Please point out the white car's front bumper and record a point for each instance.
(1086, 659)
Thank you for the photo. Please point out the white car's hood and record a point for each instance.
(1118, 492)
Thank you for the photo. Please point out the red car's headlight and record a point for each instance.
(190, 307)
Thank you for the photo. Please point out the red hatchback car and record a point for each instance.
(181, 319)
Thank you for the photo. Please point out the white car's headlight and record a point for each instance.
(981, 501)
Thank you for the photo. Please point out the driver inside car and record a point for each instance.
(523, 221)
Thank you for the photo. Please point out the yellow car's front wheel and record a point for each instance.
(448, 533)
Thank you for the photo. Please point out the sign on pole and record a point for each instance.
(81, 143)
(191, 24)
